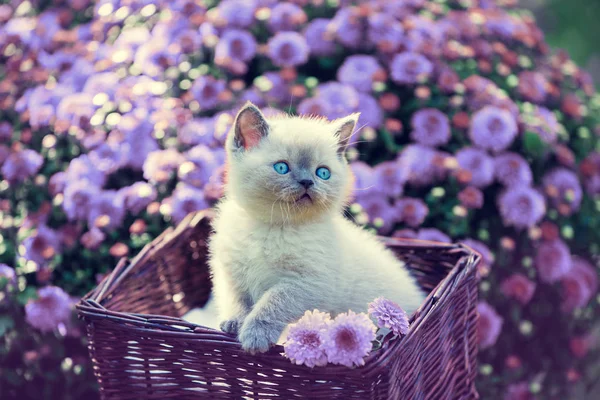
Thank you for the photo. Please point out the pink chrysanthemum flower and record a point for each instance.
(348, 338)
(389, 315)
(304, 344)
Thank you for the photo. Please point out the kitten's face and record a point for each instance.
(288, 169)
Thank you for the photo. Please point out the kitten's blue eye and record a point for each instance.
(323, 173)
(281, 168)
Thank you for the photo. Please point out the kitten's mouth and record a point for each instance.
(304, 199)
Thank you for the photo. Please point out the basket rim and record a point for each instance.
(90, 304)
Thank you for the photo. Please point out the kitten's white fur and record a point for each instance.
(273, 258)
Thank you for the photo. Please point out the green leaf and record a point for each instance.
(26, 295)
(6, 323)
(533, 144)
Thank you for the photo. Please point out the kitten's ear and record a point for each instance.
(344, 128)
(249, 128)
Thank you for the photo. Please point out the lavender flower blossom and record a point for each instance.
(199, 167)
(533, 86)
(286, 17)
(198, 131)
(235, 46)
(237, 13)
(521, 207)
(518, 287)
(493, 129)
(542, 122)
(563, 190)
(107, 211)
(479, 164)
(409, 68)
(552, 260)
(390, 178)
(471, 197)
(82, 168)
(385, 32)
(364, 178)
(342, 99)
(138, 196)
(288, 49)
(320, 41)
(42, 246)
(78, 198)
(579, 285)
(379, 210)
(511, 169)
(347, 27)
(490, 325)
(411, 211)
(431, 127)
(52, 308)
(389, 315)
(358, 71)
(160, 164)
(206, 90)
(371, 114)
(315, 106)
(304, 344)
(21, 165)
(185, 200)
(348, 339)
(424, 165)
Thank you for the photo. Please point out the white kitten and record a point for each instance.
(281, 245)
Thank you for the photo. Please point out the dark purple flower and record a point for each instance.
(304, 344)
(288, 49)
(206, 90)
(579, 285)
(237, 13)
(518, 287)
(490, 325)
(410, 68)
(42, 246)
(389, 315)
(518, 391)
(533, 86)
(380, 212)
(371, 114)
(286, 17)
(235, 46)
(197, 131)
(471, 197)
(138, 196)
(348, 339)
(385, 32)
(521, 207)
(479, 165)
(160, 165)
(52, 308)
(389, 178)
(185, 200)
(493, 128)
(424, 165)
(563, 190)
(107, 211)
(77, 199)
(511, 169)
(92, 239)
(21, 165)
(431, 127)
(315, 106)
(433, 235)
(543, 122)
(6, 131)
(342, 99)
(319, 39)
(552, 260)
(348, 27)
(82, 168)
(411, 211)
(199, 167)
(359, 71)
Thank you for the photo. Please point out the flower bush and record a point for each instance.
(113, 114)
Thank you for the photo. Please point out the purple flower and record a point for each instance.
(389, 178)
(319, 39)
(52, 308)
(424, 165)
(110, 156)
(160, 165)
(288, 49)
(563, 190)
(286, 17)
(186, 200)
(206, 90)
(493, 128)
(533, 86)
(389, 315)
(4, 153)
(78, 197)
(552, 260)
(364, 178)
(408, 68)
(521, 207)
(411, 211)
(518, 391)
(579, 284)
(471, 197)
(479, 165)
(542, 122)
(279, 90)
(237, 13)
(107, 211)
(359, 71)
(433, 235)
(197, 131)
(348, 339)
(371, 114)
(379, 210)
(214, 189)
(76, 108)
(342, 99)
(199, 167)
(315, 106)
(385, 32)
(348, 28)
(511, 169)
(405, 234)
(21, 165)
(304, 344)
(138, 196)
(431, 127)
(6, 131)
(42, 246)
(490, 325)
(235, 46)
(82, 168)
(518, 287)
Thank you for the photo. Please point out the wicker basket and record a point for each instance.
(141, 349)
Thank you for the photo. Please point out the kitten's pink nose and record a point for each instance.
(306, 183)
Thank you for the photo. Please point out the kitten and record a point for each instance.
(281, 244)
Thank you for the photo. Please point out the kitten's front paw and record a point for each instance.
(231, 326)
(258, 336)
